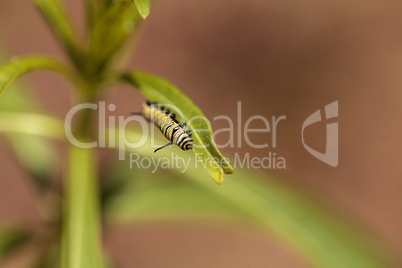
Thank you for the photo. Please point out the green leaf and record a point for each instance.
(111, 31)
(19, 100)
(259, 199)
(81, 243)
(91, 13)
(51, 258)
(143, 7)
(32, 124)
(14, 69)
(12, 239)
(103, 5)
(58, 19)
(35, 153)
(160, 90)
(131, 195)
(320, 237)
(29, 134)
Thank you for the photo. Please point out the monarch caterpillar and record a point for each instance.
(168, 125)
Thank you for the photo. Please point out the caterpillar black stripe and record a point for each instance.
(168, 125)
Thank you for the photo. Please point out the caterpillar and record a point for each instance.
(168, 125)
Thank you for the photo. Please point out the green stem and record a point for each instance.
(81, 241)
(81, 246)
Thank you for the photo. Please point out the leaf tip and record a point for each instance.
(225, 165)
(218, 178)
(228, 170)
(143, 7)
(144, 15)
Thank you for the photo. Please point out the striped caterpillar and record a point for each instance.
(168, 125)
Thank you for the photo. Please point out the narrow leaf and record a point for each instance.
(166, 196)
(102, 6)
(81, 243)
(260, 199)
(160, 90)
(11, 239)
(111, 31)
(51, 258)
(34, 153)
(32, 124)
(58, 19)
(14, 69)
(91, 13)
(143, 7)
(28, 135)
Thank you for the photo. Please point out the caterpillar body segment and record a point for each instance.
(168, 125)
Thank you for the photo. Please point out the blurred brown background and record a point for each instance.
(279, 58)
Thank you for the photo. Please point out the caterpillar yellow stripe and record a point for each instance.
(168, 125)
